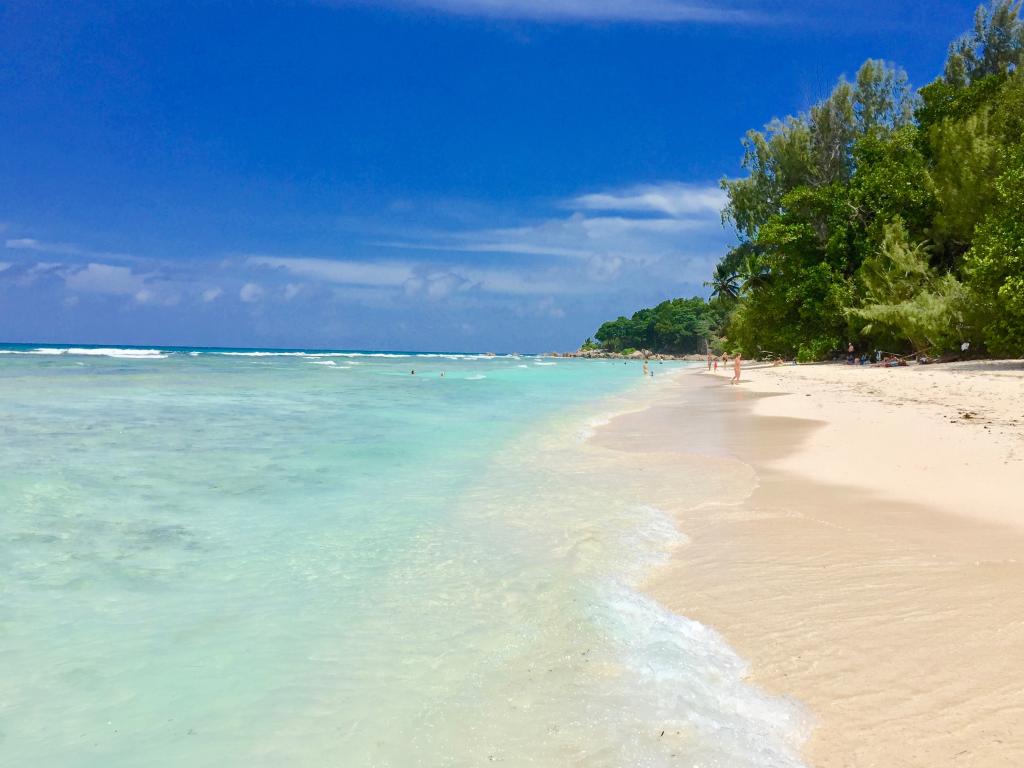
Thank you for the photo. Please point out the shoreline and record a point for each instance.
(873, 569)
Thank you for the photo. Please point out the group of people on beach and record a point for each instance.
(737, 363)
(881, 359)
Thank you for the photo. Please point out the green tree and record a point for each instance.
(883, 98)
(833, 127)
(908, 296)
(678, 326)
(724, 283)
(994, 47)
(995, 264)
(892, 179)
(966, 165)
(753, 273)
(776, 161)
(884, 213)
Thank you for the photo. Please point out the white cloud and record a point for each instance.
(602, 242)
(381, 298)
(663, 231)
(112, 280)
(431, 281)
(150, 296)
(441, 284)
(31, 244)
(5, 265)
(59, 249)
(105, 278)
(250, 292)
(671, 199)
(367, 273)
(549, 308)
(521, 282)
(24, 275)
(476, 242)
(607, 230)
(650, 11)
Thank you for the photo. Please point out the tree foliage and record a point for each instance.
(995, 263)
(885, 216)
(879, 215)
(679, 326)
(908, 296)
(993, 47)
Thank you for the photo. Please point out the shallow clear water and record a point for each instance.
(310, 559)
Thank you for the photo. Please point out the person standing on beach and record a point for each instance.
(736, 369)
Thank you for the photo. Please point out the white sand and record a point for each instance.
(877, 571)
(903, 431)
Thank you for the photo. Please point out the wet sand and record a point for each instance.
(874, 570)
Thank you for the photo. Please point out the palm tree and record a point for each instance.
(724, 283)
(753, 273)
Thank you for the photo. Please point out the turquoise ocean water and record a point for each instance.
(262, 558)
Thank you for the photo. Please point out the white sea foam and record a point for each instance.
(158, 353)
(263, 354)
(386, 355)
(128, 354)
(423, 355)
(686, 676)
(651, 537)
(692, 683)
(322, 362)
(541, 362)
(476, 377)
(591, 425)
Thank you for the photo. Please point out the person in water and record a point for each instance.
(736, 369)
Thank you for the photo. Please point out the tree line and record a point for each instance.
(883, 216)
(678, 326)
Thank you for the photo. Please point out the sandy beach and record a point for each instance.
(873, 569)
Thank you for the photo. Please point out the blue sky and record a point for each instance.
(405, 174)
